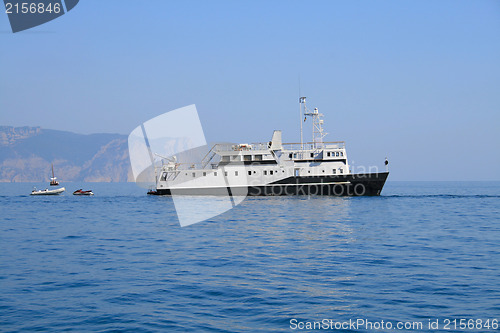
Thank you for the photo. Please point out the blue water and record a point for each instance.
(119, 261)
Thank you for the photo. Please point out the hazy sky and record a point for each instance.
(416, 81)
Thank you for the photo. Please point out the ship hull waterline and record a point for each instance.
(369, 184)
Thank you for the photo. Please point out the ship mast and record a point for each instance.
(317, 128)
(302, 100)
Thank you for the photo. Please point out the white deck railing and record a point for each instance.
(286, 146)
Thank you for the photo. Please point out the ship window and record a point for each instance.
(215, 173)
(312, 154)
(225, 158)
(290, 155)
(295, 155)
(328, 154)
(271, 172)
(194, 174)
(247, 157)
(323, 171)
(309, 171)
(257, 158)
(186, 173)
(341, 170)
(225, 173)
(236, 157)
(204, 174)
(254, 172)
(236, 173)
(164, 176)
(334, 171)
(341, 154)
(265, 173)
(337, 153)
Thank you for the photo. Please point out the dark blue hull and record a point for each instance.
(369, 184)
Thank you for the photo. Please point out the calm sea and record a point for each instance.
(423, 252)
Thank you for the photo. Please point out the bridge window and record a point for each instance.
(257, 158)
(164, 176)
(194, 174)
(290, 155)
(247, 157)
(265, 173)
(204, 174)
(215, 173)
(236, 173)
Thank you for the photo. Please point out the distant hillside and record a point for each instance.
(26, 154)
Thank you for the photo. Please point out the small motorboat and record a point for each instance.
(82, 192)
(47, 191)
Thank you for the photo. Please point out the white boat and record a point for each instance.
(53, 179)
(48, 192)
(270, 168)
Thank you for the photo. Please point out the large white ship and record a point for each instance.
(270, 168)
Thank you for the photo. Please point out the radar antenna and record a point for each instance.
(317, 129)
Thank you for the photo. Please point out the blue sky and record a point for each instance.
(416, 81)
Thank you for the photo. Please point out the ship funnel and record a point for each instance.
(276, 141)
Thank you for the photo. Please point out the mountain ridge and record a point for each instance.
(27, 153)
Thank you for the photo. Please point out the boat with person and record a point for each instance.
(271, 168)
(47, 191)
(53, 179)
